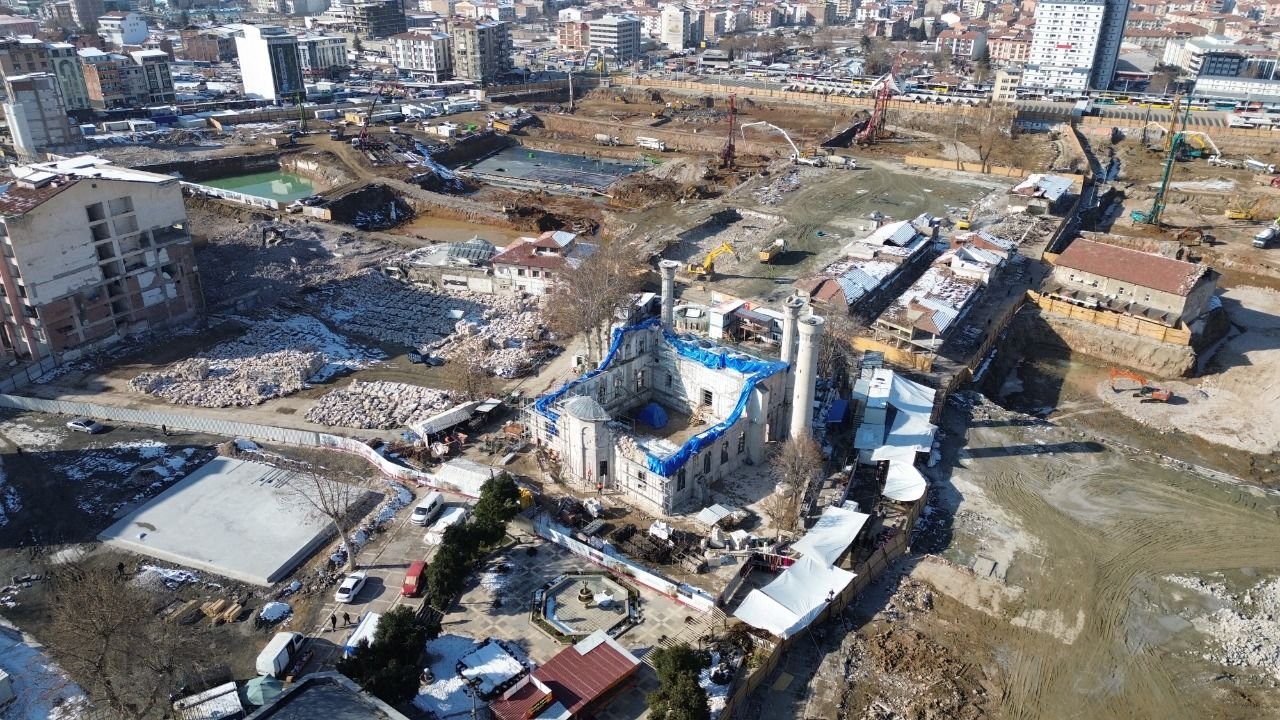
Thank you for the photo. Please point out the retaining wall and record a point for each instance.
(675, 139)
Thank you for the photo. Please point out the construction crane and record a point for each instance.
(1173, 121)
(706, 270)
(874, 128)
(1152, 217)
(301, 97)
(726, 155)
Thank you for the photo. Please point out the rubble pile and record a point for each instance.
(1022, 228)
(377, 405)
(449, 323)
(772, 193)
(276, 357)
(272, 259)
(1245, 630)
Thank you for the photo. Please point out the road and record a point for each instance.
(385, 562)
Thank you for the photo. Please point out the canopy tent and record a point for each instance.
(465, 475)
(446, 420)
(834, 532)
(711, 516)
(263, 689)
(904, 482)
(794, 599)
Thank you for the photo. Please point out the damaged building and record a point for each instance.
(95, 252)
(665, 415)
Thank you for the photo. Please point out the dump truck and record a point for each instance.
(770, 252)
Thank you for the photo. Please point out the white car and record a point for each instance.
(351, 586)
(86, 425)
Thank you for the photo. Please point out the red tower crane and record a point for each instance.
(726, 155)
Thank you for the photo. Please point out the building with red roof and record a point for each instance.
(573, 684)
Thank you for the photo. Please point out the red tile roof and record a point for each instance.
(1132, 266)
(575, 679)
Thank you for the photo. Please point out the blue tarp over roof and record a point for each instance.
(713, 357)
(837, 411)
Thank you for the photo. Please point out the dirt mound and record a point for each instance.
(639, 191)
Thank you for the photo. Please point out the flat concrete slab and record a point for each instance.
(235, 518)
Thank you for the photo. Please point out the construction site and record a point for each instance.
(1039, 367)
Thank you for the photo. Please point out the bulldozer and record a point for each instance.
(706, 270)
(1144, 390)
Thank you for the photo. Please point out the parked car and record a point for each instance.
(427, 510)
(415, 579)
(86, 425)
(351, 586)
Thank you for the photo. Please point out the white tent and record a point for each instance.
(831, 535)
(713, 514)
(787, 605)
(904, 482)
(465, 475)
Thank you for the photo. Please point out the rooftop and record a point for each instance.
(575, 677)
(326, 695)
(1132, 266)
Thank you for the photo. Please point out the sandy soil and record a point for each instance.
(1238, 404)
(1081, 618)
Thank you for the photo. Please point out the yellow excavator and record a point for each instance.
(1243, 208)
(706, 270)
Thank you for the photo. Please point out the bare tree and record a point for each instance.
(104, 631)
(588, 295)
(836, 356)
(798, 465)
(474, 378)
(330, 484)
(996, 132)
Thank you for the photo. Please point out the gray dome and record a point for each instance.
(585, 408)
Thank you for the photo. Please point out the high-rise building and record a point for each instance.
(423, 52)
(272, 53)
(123, 29)
(1075, 44)
(681, 29)
(618, 35)
(481, 49)
(119, 81)
(93, 252)
(85, 13)
(156, 73)
(36, 118)
(371, 19)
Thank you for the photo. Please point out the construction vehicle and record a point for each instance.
(1259, 167)
(965, 222)
(886, 88)
(649, 143)
(706, 270)
(1144, 389)
(1152, 216)
(604, 139)
(1265, 237)
(727, 155)
(1219, 161)
(769, 252)
(1243, 208)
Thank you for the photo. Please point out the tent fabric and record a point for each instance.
(715, 513)
(904, 482)
(837, 412)
(263, 689)
(455, 415)
(834, 532)
(794, 599)
(653, 415)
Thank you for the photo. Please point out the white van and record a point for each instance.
(276, 657)
(427, 510)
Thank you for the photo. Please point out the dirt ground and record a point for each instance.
(1055, 568)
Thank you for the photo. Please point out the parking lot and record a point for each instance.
(385, 560)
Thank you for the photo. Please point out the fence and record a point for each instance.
(27, 374)
(233, 196)
(1113, 320)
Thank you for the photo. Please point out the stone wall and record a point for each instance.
(1031, 328)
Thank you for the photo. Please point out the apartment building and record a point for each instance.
(272, 52)
(36, 117)
(1009, 49)
(214, 46)
(14, 25)
(158, 76)
(618, 35)
(1211, 55)
(123, 29)
(21, 56)
(963, 46)
(373, 19)
(64, 62)
(1075, 44)
(119, 81)
(92, 252)
(85, 13)
(573, 35)
(481, 49)
(323, 57)
(423, 52)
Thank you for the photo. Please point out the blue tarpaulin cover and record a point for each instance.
(653, 415)
(714, 358)
(837, 411)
